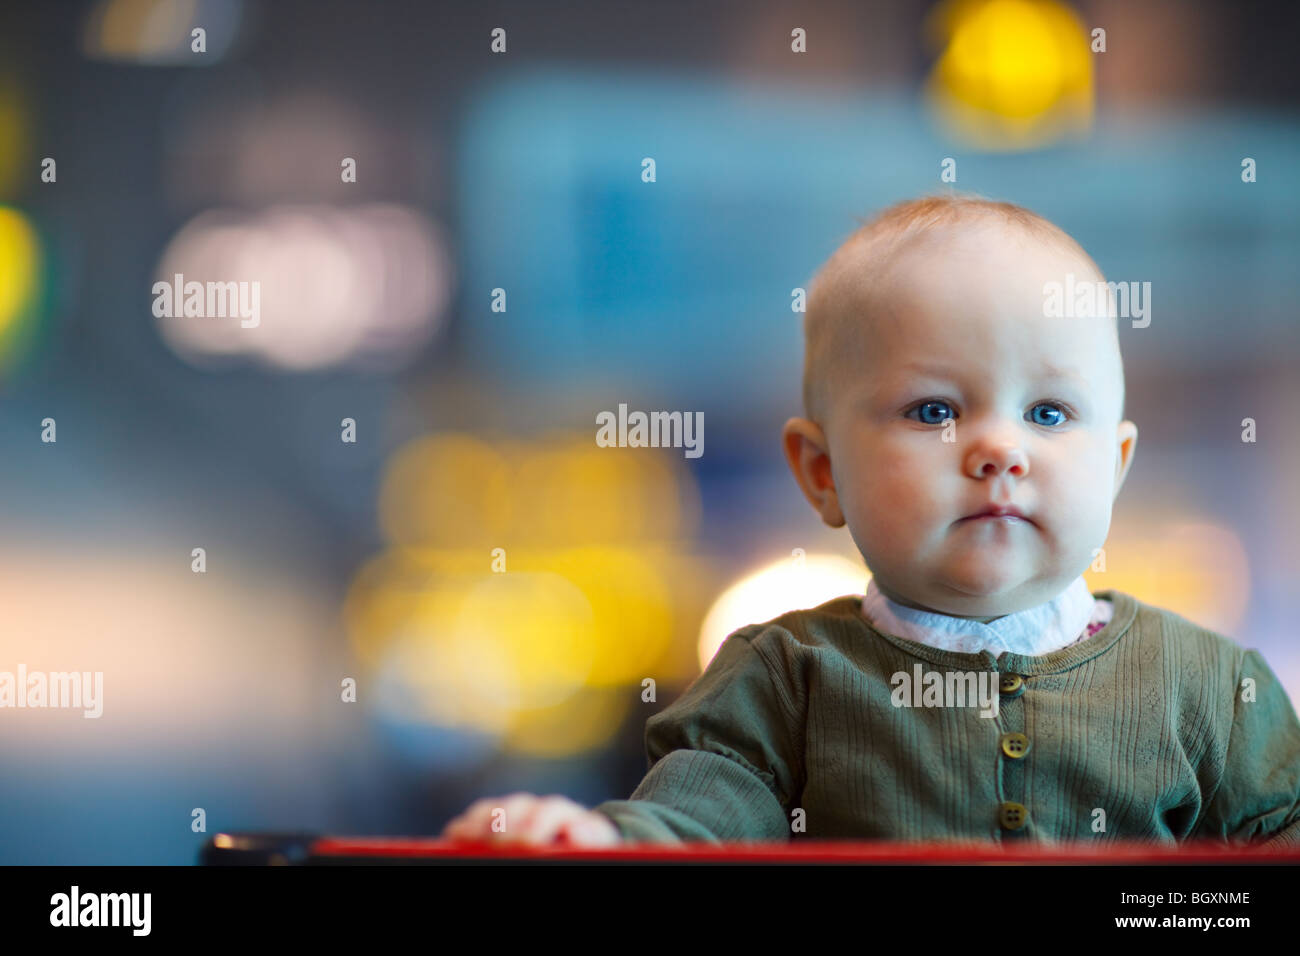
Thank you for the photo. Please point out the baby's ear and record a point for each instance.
(1127, 439)
(807, 453)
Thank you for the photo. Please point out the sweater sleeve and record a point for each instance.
(723, 765)
(1258, 797)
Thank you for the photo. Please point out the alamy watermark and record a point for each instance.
(76, 908)
(946, 689)
(213, 300)
(651, 430)
(57, 689)
(1092, 299)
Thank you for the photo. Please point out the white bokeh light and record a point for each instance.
(366, 284)
(789, 584)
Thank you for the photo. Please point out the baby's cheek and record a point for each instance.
(1078, 524)
(1097, 524)
(887, 518)
(1092, 492)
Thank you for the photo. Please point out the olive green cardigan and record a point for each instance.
(1144, 731)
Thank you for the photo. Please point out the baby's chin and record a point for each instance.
(990, 605)
(985, 592)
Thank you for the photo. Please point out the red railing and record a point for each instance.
(328, 849)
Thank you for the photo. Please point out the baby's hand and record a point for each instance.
(534, 820)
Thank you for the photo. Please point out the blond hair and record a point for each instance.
(858, 265)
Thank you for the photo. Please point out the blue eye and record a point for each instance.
(1051, 408)
(936, 412)
(929, 415)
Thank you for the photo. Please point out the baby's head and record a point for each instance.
(935, 311)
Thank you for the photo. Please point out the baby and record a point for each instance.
(974, 446)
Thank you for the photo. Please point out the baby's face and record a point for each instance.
(1035, 403)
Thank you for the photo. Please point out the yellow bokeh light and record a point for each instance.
(446, 490)
(127, 29)
(456, 491)
(585, 722)
(20, 262)
(543, 624)
(536, 639)
(159, 31)
(1196, 568)
(632, 605)
(577, 486)
(528, 585)
(476, 658)
(1013, 74)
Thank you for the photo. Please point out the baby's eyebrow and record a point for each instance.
(943, 370)
(937, 369)
(1067, 372)
(900, 375)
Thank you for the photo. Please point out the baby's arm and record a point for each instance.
(1258, 797)
(726, 756)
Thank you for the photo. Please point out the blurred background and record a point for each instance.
(496, 584)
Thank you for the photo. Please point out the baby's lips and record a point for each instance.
(998, 511)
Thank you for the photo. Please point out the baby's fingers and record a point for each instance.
(475, 823)
(548, 818)
(592, 829)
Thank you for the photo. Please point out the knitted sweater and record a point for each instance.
(802, 728)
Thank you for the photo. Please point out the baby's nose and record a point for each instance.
(992, 460)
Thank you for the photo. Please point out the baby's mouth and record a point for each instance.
(1008, 514)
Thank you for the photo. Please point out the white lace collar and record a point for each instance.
(1032, 632)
